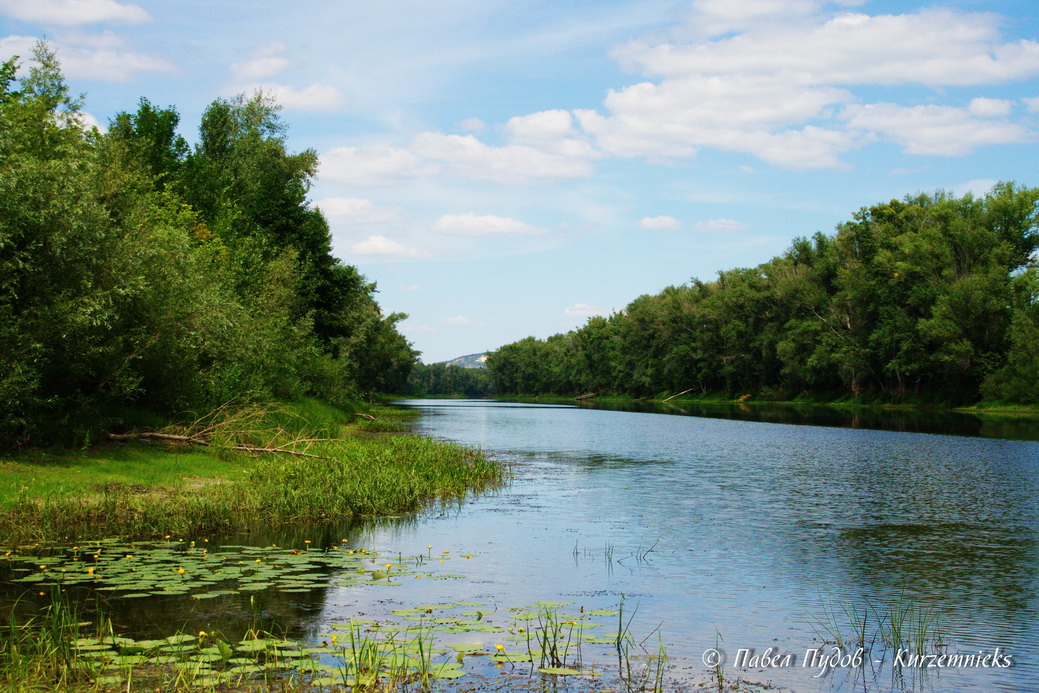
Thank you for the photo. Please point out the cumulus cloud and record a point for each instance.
(268, 60)
(550, 131)
(375, 165)
(103, 57)
(467, 157)
(934, 130)
(990, 108)
(778, 79)
(73, 12)
(355, 210)
(89, 120)
(315, 97)
(487, 225)
(457, 321)
(663, 223)
(721, 226)
(385, 248)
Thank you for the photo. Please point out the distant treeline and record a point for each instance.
(439, 379)
(139, 272)
(933, 298)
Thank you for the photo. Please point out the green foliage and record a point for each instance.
(922, 298)
(136, 272)
(439, 379)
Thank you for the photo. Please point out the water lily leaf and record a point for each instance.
(559, 671)
(446, 672)
(181, 638)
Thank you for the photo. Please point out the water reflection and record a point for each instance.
(989, 425)
(714, 528)
(755, 525)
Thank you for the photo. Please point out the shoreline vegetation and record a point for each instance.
(849, 403)
(932, 300)
(357, 467)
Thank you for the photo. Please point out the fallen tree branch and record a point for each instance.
(149, 435)
(366, 416)
(679, 394)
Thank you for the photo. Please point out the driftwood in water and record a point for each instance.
(588, 396)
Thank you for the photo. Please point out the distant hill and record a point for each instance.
(469, 361)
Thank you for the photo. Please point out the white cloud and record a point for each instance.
(411, 287)
(725, 226)
(1032, 104)
(936, 47)
(73, 12)
(487, 225)
(934, 130)
(102, 57)
(663, 223)
(469, 158)
(473, 125)
(778, 80)
(990, 108)
(550, 131)
(740, 113)
(268, 60)
(88, 120)
(457, 321)
(355, 210)
(375, 165)
(386, 248)
(316, 97)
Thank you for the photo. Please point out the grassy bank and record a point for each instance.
(329, 463)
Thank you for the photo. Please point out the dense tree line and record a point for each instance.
(929, 298)
(440, 379)
(138, 271)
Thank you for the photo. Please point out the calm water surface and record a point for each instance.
(715, 533)
(744, 534)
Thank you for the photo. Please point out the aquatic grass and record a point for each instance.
(360, 655)
(356, 475)
(909, 624)
(41, 651)
(901, 624)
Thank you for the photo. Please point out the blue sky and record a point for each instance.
(509, 169)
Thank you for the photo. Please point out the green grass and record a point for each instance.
(147, 489)
(54, 648)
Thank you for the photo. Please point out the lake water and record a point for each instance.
(716, 534)
(733, 535)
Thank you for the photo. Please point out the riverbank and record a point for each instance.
(305, 461)
(844, 402)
